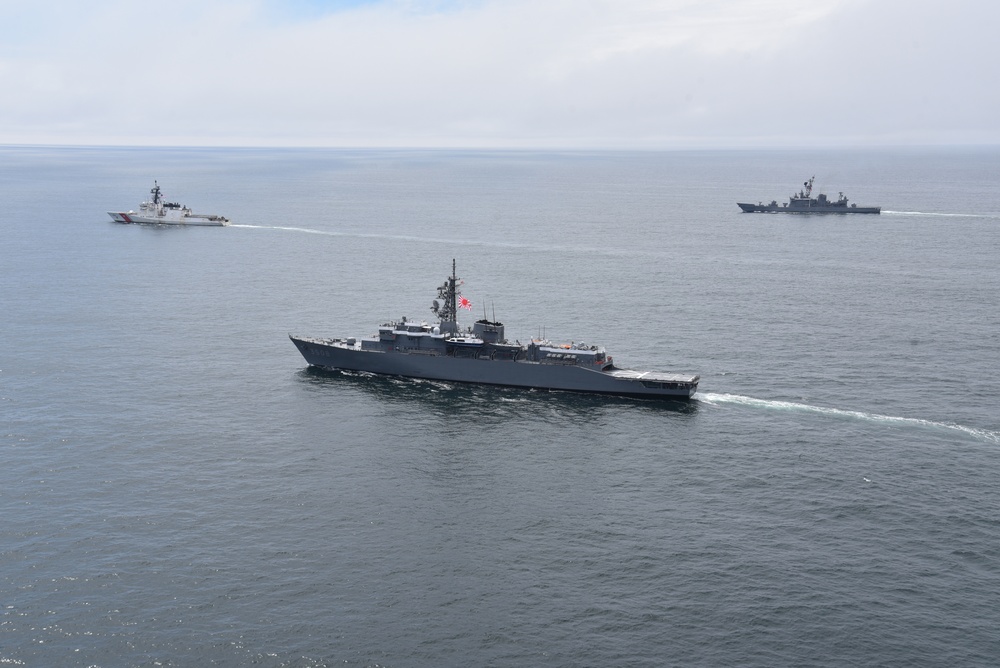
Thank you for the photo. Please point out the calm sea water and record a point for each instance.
(178, 489)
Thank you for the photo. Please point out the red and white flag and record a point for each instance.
(464, 303)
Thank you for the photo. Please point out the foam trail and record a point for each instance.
(287, 229)
(714, 399)
(941, 215)
(457, 242)
(398, 237)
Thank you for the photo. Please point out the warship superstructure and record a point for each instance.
(804, 202)
(482, 354)
(157, 211)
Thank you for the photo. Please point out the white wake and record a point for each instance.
(397, 237)
(715, 399)
(535, 247)
(939, 215)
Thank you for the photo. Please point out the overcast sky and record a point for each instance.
(500, 73)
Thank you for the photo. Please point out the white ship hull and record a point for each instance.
(194, 219)
(156, 211)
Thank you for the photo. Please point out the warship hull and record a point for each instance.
(343, 355)
(773, 208)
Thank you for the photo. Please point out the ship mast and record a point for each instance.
(448, 312)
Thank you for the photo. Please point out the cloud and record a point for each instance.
(624, 73)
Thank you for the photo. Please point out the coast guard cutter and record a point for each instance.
(157, 211)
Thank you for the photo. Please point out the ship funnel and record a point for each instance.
(489, 332)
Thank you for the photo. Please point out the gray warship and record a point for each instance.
(481, 354)
(804, 202)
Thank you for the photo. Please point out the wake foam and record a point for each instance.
(397, 237)
(938, 215)
(452, 241)
(288, 229)
(715, 399)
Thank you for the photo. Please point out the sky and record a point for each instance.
(566, 74)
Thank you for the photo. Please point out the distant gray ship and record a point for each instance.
(805, 203)
(443, 351)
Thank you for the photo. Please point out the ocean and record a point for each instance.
(178, 488)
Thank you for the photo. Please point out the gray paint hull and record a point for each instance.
(571, 378)
(769, 208)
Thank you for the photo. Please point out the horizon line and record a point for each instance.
(526, 147)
